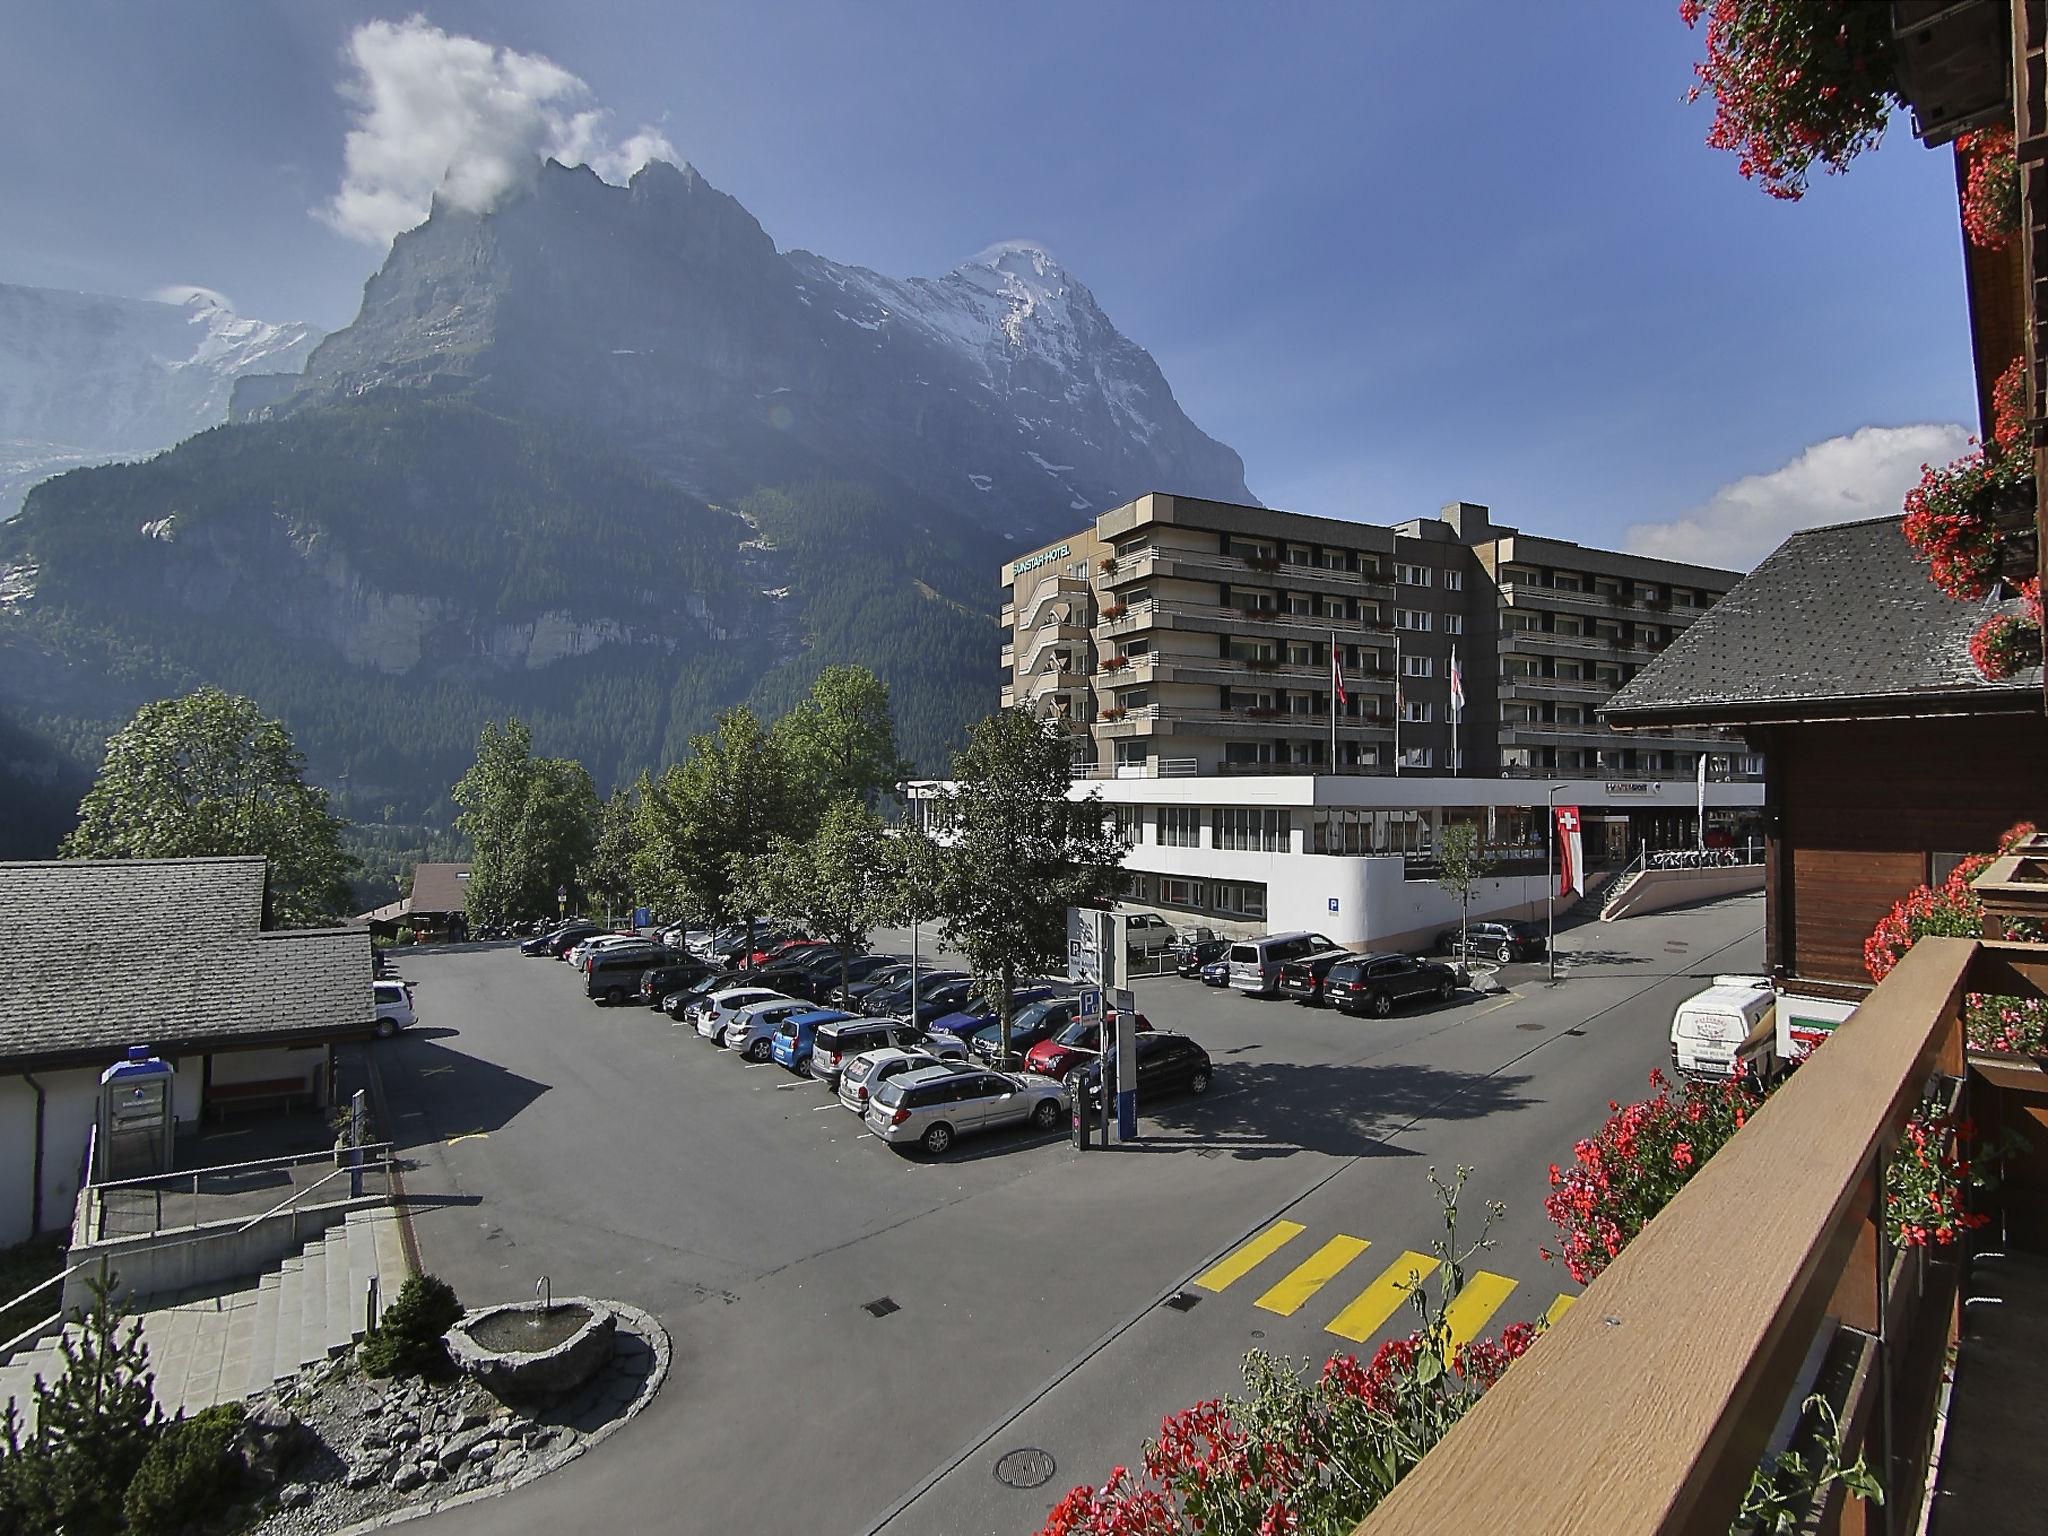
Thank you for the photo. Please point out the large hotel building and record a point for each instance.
(1188, 647)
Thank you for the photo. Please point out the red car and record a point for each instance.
(1078, 1043)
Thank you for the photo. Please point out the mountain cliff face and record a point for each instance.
(603, 458)
(661, 314)
(87, 378)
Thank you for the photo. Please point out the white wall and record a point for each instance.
(72, 1101)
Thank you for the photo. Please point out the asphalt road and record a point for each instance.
(623, 1156)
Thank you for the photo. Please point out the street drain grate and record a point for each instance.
(881, 1306)
(1181, 1301)
(1027, 1467)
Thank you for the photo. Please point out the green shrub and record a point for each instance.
(188, 1474)
(403, 936)
(408, 1340)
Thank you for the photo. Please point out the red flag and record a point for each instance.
(1337, 675)
(1571, 854)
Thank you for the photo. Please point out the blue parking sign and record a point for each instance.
(1091, 1002)
(1333, 903)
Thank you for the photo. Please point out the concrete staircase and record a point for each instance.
(226, 1344)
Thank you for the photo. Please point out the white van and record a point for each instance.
(1255, 963)
(1729, 1030)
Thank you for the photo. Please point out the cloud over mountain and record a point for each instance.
(441, 114)
(1865, 473)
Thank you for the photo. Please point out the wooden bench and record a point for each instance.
(220, 1097)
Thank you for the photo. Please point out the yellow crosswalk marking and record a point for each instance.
(1383, 1298)
(1318, 1270)
(1241, 1260)
(1558, 1308)
(1478, 1301)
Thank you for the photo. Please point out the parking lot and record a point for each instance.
(883, 1324)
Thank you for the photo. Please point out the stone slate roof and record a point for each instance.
(102, 954)
(439, 887)
(1839, 623)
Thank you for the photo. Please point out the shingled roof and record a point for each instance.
(1840, 623)
(102, 954)
(439, 887)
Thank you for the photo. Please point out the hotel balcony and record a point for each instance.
(1235, 672)
(1200, 565)
(1228, 619)
(1070, 588)
(1544, 689)
(1154, 720)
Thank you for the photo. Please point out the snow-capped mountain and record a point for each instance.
(661, 314)
(86, 378)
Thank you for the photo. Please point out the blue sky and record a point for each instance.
(1394, 254)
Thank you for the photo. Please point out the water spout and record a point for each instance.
(544, 1293)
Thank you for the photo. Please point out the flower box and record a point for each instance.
(1115, 611)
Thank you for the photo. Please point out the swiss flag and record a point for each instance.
(1337, 675)
(1571, 853)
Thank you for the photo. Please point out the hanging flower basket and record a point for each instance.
(1795, 83)
(1114, 712)
(2009, 407)
(2003, 645)
(1115, 663)
(1116, 610)
(1953, 516)
(1991, 192)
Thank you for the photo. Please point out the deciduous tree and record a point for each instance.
(706, 818)
(531, 822)
(207, 774)
(835, 884)
(840, 744)
(1461, 864)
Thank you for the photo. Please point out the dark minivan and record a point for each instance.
(614, 974)
(1375, 983)
(657, 981)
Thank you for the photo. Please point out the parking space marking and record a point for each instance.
(1379, 1301)
(1249, 1255)
(1295, 1289)
(468, 1136)
(1475, 1304)
(1564, 1303)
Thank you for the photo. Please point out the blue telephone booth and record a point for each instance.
(136, 1121)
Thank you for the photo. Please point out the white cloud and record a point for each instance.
(438, 113)
(1865, 474)
(192, 293)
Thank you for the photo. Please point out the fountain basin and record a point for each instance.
(532, 1348)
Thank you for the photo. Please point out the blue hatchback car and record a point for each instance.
(983, 1012)
(793, 1036)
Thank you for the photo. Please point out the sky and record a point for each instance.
(1394, 254)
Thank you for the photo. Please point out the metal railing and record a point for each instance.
(219, 1183)
(1669, 1376)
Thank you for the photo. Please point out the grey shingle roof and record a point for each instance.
(1838, 622)
(439, 887)
(100, 954)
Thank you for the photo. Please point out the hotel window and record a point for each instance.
(1134, 698)
(1251, 830)
(1301, 655)
(1418, 666)
(1454, 581)
(1419, 711)
(1454, 623)
(1250, 650)
(1417, 619)
(1178, 826)
(1126, 819)
(1297, 555)
(1418, 757)
(1240, 900)
(1301, 603)
(1180, 893)
(1411, 575)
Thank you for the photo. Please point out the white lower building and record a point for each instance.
(1351, 856)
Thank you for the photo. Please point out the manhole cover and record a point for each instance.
(1528, 1024)
(1181, 1301)
(881, 1306)
(1026, 1468)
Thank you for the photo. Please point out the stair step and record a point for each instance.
(310, 1344)
(291, 1283)
(392, 1270)
(262, 1367)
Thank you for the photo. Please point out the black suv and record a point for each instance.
(1303, 979)
(657, 981)
(1375, 983)
(1505, 942)
(1167, 1063)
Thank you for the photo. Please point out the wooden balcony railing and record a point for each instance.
(1647, 1406)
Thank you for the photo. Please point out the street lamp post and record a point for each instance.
(1550, 882)
(910, 884)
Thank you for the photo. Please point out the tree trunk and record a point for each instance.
(845, 965)
(1003, 1016)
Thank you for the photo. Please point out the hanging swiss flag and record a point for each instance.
(1337, 675)
(1571, 853)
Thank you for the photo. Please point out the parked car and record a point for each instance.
(1167, 1063)
(1028, 1025)
(797, 1033)
(579, 953)
(1302, 979)
(1502, 941)
(676, 1003)
(862, 1074)
(750, 1030)
(1217, 972)
(394, 1007)
(1375, 984)
(1255, 963)
(613, 975)
(1147, 934)
(556, 941)
(713, 1012)
(826, 979)
(880, 979)
(896, 998)
(792, 959)
(978, 1010)
(936, 1106)
(1079, 1042)
(657, 981)
(1193, 958)
(843, 1039)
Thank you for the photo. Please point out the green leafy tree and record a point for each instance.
(840, 743)
(1020, 853)
(94, 1425)
(531, 822)
(608, 874)
(1461, 864)
(709, 817)
(207, 774)
(835, 884)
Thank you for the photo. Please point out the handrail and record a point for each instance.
(32, 1331)
(292, 1158)
(299, 1194)
(35, 1290)
(1667, 1378)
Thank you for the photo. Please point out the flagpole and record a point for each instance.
(1456, 710)
(1335, 674)
(1397, 702)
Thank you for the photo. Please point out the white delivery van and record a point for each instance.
(1727, 1031)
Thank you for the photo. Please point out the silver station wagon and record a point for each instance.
(937, 1105)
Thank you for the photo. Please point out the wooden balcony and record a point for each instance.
(1647, 1406)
